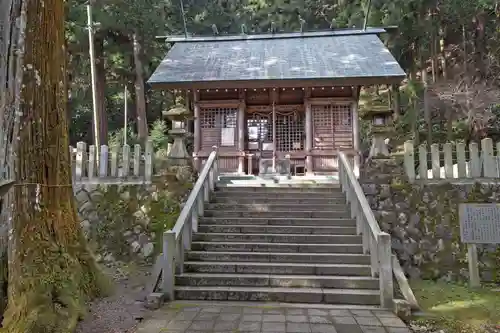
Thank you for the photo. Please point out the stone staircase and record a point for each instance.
(293, 244)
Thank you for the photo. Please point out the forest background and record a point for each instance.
(449, 48)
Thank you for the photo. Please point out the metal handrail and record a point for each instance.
(178, 239)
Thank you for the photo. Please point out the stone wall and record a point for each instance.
(125, 223)
(423, 222)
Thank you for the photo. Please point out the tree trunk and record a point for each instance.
(140, 101)
(413, 67)
(480, 43)
(51, 271)
(434, 57)
(12, 23)
(101, 90)
(427, 107)
(442, 47)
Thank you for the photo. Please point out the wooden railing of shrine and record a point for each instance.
(375, 242)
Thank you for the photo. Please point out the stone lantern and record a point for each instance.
(381, 128)
(178, 115)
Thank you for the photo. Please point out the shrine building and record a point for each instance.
(276, 103)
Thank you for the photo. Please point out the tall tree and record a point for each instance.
(51, 271)
(140, 98)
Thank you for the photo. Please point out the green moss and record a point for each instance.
(456, 308)
(163, 213)
(437, 209)
(117, 209)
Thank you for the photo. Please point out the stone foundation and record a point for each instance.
(125, 222)
(422, 219)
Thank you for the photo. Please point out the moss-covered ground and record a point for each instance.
(456, 308)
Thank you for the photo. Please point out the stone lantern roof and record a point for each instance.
(177, 113)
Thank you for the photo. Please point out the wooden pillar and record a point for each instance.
(355, 131)
(241, 131)
(189, 123)
(197, 130)
(274, 101)
(309, 132)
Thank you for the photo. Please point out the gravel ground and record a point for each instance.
(122, 311)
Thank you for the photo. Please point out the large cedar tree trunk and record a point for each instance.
(140, 100)
(51, 271)
(11, 55)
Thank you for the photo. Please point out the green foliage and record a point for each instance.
(158, 134)
(117, 138)
(123, 209)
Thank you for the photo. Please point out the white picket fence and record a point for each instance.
(452, 160)
(119, 165)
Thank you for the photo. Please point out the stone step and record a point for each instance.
(323, 200)
(272, 184)
(277, 238)
(286, 213)
(259, 188)
(325, 258)
(275, 195)
(289, 295)
(288, 281)
(339, 222)
(276, 229)
(277, 268)
(271, 207)
(277, 247)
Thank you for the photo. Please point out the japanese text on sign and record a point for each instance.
(480, 223)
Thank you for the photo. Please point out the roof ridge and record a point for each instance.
(279, 35)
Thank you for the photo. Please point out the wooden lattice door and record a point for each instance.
(332, 126)
(289, 131)
(218, 127)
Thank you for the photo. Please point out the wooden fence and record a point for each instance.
(118, 164)
(452, 160)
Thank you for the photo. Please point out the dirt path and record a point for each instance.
(122, 311)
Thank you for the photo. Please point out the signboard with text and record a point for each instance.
(479, 223)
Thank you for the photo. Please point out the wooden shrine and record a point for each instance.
(280, 103)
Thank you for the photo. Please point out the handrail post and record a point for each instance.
(187, 233)
(341, 175)
(216, 163)
(200, 203)
(374, 261)
(385, 270)
(206, 191)
(211, 179)
(168, 274)
(179, 253)
(194, 217)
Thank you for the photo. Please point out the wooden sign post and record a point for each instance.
(479, 224)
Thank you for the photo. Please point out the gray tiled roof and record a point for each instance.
(353, 56)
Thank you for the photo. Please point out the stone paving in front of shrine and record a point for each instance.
(208, 317)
